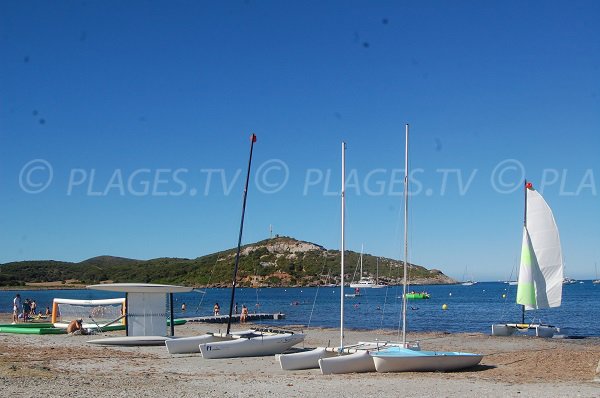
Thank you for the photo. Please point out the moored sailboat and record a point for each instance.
(366, 282)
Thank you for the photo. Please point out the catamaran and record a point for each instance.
(541, 272)
(345, 358)
(401, 359)
(252, 342)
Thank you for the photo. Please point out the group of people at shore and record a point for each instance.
(26, 309)
(217, 311)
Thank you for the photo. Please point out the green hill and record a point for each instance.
(281, 261)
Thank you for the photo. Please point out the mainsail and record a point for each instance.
(541, 270)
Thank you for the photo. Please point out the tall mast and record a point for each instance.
(405, 239)
(524, 225)
(362, 249)
(237, 256)
(343, 249)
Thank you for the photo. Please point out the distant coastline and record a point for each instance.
(276, 262)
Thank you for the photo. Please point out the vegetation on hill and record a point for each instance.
(281, 261)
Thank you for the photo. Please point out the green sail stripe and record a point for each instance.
(526, 288)
(526, 294)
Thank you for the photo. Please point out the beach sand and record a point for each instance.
(64, 365)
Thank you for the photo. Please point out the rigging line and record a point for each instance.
(317, 292)
(399, 266)
(255, 278)
(504, 307)
(355, 270)
(207, 284)
(384, 304)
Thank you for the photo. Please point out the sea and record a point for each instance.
(451, 308)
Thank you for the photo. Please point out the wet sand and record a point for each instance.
(65, 365)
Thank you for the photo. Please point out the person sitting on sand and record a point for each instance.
(244, 315)
(76, 325)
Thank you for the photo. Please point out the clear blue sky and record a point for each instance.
(143, 112)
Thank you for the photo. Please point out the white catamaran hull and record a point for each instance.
(131, 340)
(188, 345)
(510, 328)
(304, 359)
(358, 362)
(402, 360)
(261, 345)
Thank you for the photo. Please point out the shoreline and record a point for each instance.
(512, 366)
(54, 286)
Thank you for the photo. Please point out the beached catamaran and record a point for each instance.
(401, 359)
(541, 271)
(344, 358)
(352, 358)
(247, 343)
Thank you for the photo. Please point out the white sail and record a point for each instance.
(541, 270)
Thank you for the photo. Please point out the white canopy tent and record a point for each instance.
(146, 306)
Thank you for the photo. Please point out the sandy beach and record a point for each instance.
(64, 365)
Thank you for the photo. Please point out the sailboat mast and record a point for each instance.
(237, 256)
(525, 225)
(405, 239)
(362, 249)
(343, 249)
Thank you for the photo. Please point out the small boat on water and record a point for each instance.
(417, 296)
(366, 282)
(355, 294)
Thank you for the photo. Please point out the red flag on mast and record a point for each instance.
(253, 137)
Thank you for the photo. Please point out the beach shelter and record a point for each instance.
(145, 303)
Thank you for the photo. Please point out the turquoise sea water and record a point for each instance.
(470, 308)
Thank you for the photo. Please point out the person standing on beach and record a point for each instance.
(26, 309)
(16, 308)
(244, 316)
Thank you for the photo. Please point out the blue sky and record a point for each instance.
(143, 113)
